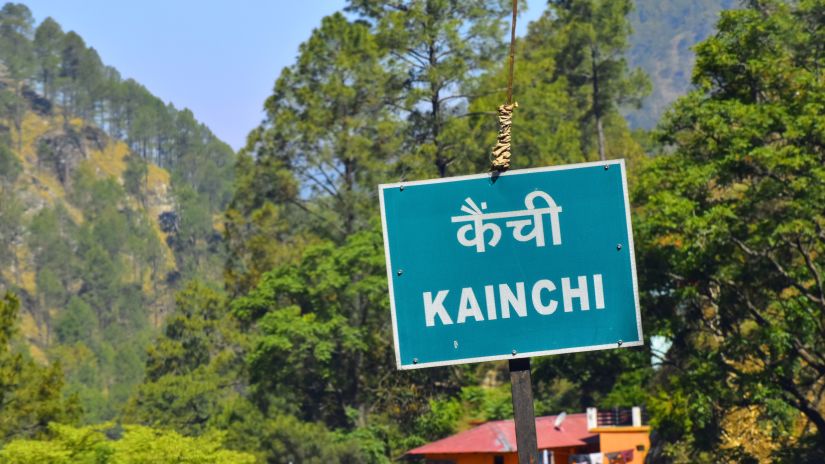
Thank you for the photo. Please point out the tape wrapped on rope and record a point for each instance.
(501, 152)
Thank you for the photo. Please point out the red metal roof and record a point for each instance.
(500, 437)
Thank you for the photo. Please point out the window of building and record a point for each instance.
(498, 459)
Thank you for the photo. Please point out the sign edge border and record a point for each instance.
(388, 260)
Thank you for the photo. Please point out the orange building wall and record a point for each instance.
(613, 439)
(480, 458)
(561, 456)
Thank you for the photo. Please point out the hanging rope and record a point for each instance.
(501, 152)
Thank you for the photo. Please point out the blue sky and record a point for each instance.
(218, 58)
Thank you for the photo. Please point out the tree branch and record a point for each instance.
(812, 267)
(781, 269)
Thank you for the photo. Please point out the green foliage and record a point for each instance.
(77, 323)
(593, 37)
(135, 176)
(329, 128)
(47, 46)
(316, 316)
(305, 255)
(556, 115)
(15, 47)
(94, 273)
(186, 402)
(50, 288)
(731, 226)
(487, 403)
(331, 107)
(136, 445)
(187, 389)
(11, 210)
(9, 167)
(594, 376)
(281, 439)
(99, 268)
(67, 71)
(473, 404)
(48, 234)
(30, 395)
(16, 55)
(191, 240)
(11, 228)
(437, 48)
(185, 385)
(440, 420)
(192, 335)
(629, 389)
(320, 349)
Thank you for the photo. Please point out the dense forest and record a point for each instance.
(226, 307)
(110, 202)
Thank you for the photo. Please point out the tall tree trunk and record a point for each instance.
(18, 279)
(802, 403)
(597, 107)
(435, 105)
(18, 115)
(347, 199)
(600, 130)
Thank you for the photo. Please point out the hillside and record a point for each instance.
(664, 34)
(109, 203)
(43, 185)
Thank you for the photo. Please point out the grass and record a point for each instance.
(111, 161)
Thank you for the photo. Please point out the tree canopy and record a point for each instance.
(732, 229)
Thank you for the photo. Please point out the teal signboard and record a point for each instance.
(529, 263)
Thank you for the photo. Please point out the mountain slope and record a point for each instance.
(661, 44)
(109, 200)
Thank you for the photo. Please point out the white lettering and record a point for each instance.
(550, 308)
(433, 308)
(597, 287)
(474, 234)
(537, 234)
(509, 298)
(490, 296)
(468, 306)
(517, 301)
(477, 227)
(581, 293)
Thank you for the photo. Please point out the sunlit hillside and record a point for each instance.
(110, 200)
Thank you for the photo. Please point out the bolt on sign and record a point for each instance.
(526, 263)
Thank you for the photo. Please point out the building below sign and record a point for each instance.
(595, 436)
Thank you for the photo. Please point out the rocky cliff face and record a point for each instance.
(50, 151)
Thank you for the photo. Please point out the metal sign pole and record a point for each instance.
(525, 417)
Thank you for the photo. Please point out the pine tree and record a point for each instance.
(48, 38)
(17, 57)
(436, 48)
(30, 395)
(594, 35)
